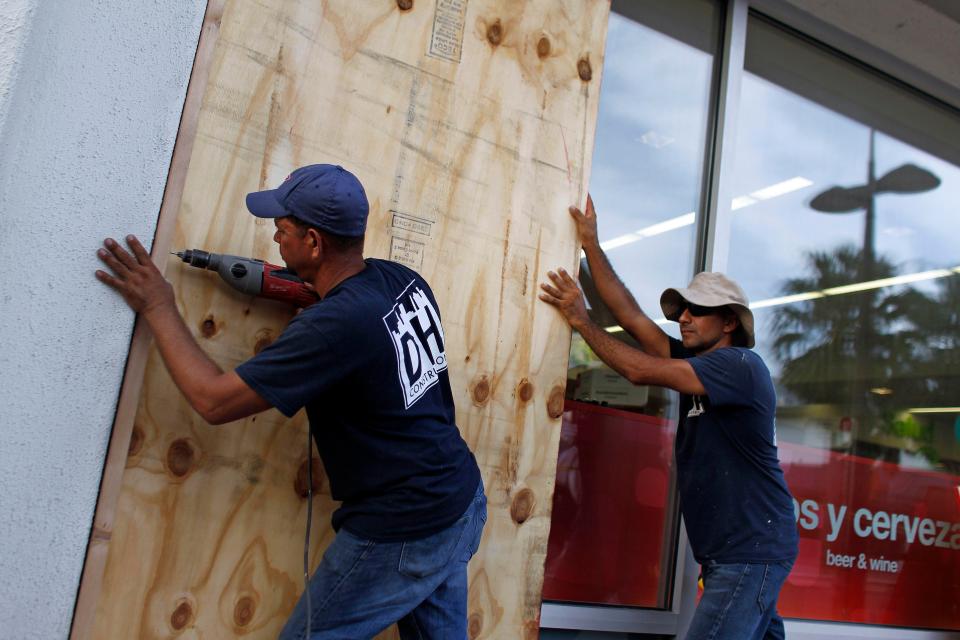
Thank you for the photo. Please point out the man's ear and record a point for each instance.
(730, 322)
(315, 242)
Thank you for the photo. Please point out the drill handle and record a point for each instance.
(282, 284)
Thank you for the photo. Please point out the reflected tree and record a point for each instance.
(853, 349)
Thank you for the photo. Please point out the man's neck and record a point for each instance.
(335, 272)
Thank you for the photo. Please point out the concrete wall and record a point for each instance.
(913, 31)
(90, 98)
(917, 41)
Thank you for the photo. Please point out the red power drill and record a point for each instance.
(253, 277)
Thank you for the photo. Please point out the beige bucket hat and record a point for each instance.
(711, 289)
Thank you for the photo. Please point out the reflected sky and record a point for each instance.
(648, 156)
(781, 135)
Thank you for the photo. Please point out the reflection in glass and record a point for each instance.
(613, 529)
(855, 279)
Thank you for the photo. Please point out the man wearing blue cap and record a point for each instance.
(368, 363)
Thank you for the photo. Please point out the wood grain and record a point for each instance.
(470, 125)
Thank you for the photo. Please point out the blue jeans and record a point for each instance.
(361, 587)
(739, 602)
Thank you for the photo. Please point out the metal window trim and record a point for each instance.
(610, 619)
(818, 630)
(713, 228)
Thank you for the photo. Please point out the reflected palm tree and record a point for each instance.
(933, 379)
(834, 350)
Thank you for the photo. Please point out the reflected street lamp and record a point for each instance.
(907, 178)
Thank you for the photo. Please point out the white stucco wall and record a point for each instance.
(15, 21)
(90, 98)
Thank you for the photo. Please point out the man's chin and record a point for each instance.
(690, 343)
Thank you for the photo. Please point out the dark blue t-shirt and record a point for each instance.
(368, 363)
(733, 496)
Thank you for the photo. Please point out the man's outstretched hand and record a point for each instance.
(565, 295)
(135, 276)
(586, 223)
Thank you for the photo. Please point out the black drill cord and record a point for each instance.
(306, 538)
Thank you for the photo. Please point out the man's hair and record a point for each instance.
(739, 336)
(341, 244)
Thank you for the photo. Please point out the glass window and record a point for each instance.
(613, 531)
(845, 236)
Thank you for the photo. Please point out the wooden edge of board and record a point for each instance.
(101, 531)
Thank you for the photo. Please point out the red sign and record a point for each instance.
(879, 543)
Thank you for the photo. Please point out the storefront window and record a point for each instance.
(613, 531)
(846, 240)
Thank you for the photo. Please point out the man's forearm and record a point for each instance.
(637, 366)
(620, 357)
(623, 305)
(192, 370)
(612, 291)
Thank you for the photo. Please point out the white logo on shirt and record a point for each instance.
(414, 327)
(697, 408)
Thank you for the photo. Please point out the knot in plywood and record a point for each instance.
(180, 457)
(136, 441)
(264, 338)
(495, 33)
(521, 507)
(543, 47)
(584, 70)
(525, 390)
(481, 391)
(244, 611)
(300, 482)
(555, 402)
(405, 5)
(475, 625)
(209, 328)
(181, 616)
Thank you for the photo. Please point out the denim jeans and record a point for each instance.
(739, 602)
(361, 587)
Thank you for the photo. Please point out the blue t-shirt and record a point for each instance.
(733, 496)
(368, 363)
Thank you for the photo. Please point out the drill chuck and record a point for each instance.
(200, 258)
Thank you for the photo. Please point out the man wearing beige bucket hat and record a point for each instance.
(735, 503)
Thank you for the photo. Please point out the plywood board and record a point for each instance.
(471, 124)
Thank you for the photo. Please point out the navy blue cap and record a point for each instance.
(325, 196)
